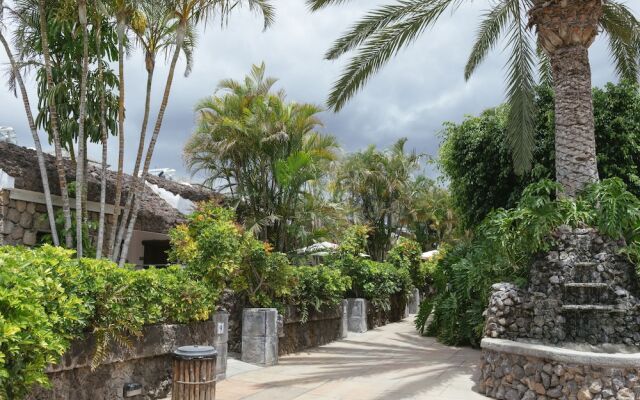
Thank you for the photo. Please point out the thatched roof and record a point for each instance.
(156, 215)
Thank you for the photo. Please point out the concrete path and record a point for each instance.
(392, 362)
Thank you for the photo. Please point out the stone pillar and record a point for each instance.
(260, 336)
(357, 315)
(220, 340)
(344, 312)
(414, 302)
(4, 206)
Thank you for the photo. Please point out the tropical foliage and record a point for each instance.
(377, 184)
(504, 244)
(267, 154)
(49, 298)
(475, 157)
(372, 280)
(214, 248)
(386, 30)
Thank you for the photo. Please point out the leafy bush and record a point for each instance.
(318, 286)
(266, 277)
(374, 281)
(216, 249)
(503, 245)
(49, 298)
(476, 159)
(407, 254)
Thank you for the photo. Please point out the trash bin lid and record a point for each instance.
(195, 352)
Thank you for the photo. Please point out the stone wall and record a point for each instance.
(515, 377)
(22, 221)
(320, 328)
(379, 317)
(148, 363)
(583, 290)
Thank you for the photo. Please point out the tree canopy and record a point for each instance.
(475, 156)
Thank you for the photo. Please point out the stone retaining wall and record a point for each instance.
(147, 363)
(320, 328)
(22, 221)
(377, 317)
(583, 290)
(518, 377)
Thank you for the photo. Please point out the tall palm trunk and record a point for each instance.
(180, 33)
(150, 66)
(120, 175)
(64, 192)
(36, 141)
(80, 164)
(566, 30)
(105, 138)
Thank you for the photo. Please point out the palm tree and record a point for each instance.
(565, 31)
(80, 182)
(123, 10)
(17, 76)
(376, 186)
(266, 152)
(66, 209)
(156, 36)
(187, 14)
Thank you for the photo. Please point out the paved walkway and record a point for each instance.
(392, 362)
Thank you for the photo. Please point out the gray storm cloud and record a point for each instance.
(412, 97)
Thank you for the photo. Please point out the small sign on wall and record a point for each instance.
(220, 328)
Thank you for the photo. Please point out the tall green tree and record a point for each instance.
(18, 82)
(475, 157)
(564, 31)
(187, 14)
(376, 184)
(266, 152)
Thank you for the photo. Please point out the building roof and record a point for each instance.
(156, 214)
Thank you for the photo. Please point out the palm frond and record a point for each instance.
(491, 27)
(521, 93)
(544, 67)
(623, 30)
(315, 5)
(373, 22)
(380, 47)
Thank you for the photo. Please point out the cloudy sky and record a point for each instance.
(415, 93)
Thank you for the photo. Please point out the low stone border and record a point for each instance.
(524, 371)
(560, 354)
(148, 363)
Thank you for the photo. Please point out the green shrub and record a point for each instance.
(318, 286)
(371, 280)
(265, 277)
(48, 298)
(503, 245)
(407, 254)
(216, 249)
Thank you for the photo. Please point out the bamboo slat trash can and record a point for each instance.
(194, 373)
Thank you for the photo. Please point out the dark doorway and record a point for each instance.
(156, 253)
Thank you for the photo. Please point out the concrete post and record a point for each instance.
(220, 342)
(414, 302)
(260, 336)
(344, 311)
(357, 315)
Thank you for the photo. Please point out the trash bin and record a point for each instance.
(194, 376)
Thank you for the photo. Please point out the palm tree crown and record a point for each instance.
(384, 31)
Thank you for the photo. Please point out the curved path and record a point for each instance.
(391, 362)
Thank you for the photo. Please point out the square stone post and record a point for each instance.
(344, 311)
(414, 302)
(260, 336)
(220, 342)
(357, 315)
